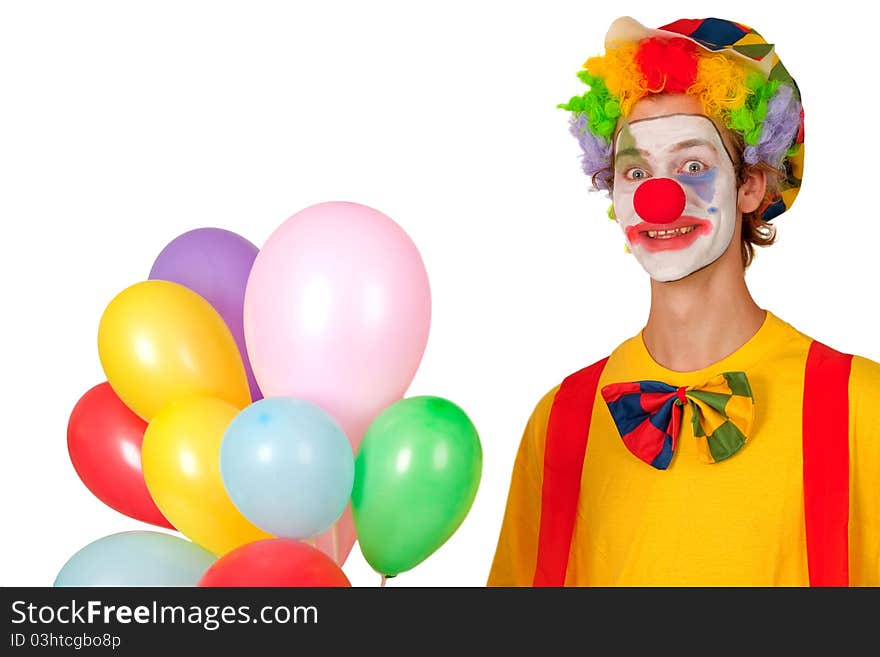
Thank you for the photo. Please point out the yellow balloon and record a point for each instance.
(160, 341)
(181, 462)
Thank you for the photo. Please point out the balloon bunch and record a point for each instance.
(254, 403)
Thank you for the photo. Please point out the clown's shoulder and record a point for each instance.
(541, 412)
(536, 428)
(864, 385)
(863, 397)
(864, 376)
(534, 436)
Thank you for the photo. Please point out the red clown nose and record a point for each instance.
(659, 200)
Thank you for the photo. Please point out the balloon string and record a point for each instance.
(383, 581)
(335, 535)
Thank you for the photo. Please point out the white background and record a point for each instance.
(123, 125)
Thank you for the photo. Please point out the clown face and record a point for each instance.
(675, 193)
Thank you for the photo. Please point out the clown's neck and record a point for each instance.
(702, 318)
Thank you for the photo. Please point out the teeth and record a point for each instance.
(666, 234)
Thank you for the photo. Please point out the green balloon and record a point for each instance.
(416, 475)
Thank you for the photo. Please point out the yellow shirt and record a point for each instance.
(738, 522)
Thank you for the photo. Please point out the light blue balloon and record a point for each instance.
(287, 466)
(137, 559)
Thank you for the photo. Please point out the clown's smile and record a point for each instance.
(678, 234)
(674, 193)
(666, 234)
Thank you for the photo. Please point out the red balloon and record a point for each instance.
(104, 440)
(275, 562)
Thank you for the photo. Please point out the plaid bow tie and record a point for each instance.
(648, 416)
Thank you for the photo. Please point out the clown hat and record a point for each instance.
(716, 34)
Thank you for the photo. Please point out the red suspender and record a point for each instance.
(565, 445)
(826, 465)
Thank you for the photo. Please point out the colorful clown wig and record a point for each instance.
(734, 73)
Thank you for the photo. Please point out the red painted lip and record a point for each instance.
(638, 234)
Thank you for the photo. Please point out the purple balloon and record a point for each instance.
(214, 263)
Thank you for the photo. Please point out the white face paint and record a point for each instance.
(686, 149)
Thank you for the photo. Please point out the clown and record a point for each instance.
(719, 445)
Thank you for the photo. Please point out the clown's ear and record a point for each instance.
(611, 214)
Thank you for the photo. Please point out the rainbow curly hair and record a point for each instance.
(734, 73)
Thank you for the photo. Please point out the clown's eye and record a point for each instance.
(636, 173)
(694, 166)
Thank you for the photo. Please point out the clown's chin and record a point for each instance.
(671, 266)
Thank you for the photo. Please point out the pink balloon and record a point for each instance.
(337, 311)
(337, 541)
